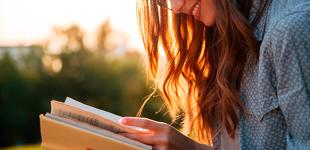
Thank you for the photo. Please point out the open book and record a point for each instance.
(74, 125)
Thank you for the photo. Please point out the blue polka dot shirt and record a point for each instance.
(276, 90)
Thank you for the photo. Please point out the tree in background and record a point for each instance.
(102, 35)
(27, 84)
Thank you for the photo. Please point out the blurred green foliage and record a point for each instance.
(96, 77)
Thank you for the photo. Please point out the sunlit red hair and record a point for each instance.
(204, 65)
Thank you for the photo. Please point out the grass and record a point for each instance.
(25, 147)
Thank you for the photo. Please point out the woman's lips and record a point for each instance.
(196, 11)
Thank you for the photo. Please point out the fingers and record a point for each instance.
(144, 138)
(150, 139)
(142, 122)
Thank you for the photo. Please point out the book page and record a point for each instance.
(91, 117)
(110, 116)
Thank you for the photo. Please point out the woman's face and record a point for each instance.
(202, 10)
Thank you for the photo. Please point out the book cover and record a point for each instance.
(73, 125)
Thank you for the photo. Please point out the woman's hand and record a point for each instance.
(162, 135)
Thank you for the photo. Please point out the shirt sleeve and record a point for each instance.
(291, 44)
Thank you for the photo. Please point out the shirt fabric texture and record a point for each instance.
(276, 89)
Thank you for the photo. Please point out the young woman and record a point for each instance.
(237, 73)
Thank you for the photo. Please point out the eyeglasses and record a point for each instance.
(166, 4)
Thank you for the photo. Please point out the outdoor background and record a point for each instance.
(89, 50)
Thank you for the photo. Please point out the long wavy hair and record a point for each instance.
(203, 65)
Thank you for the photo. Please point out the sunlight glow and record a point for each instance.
(25, 22)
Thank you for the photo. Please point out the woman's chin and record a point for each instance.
(208, 23)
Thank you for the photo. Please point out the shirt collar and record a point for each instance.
(276, 10)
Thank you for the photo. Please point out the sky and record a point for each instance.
(24, 22)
